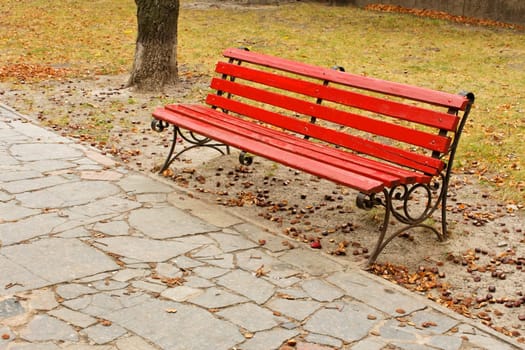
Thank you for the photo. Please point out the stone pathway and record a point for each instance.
(94, 256)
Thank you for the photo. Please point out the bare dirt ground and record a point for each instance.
(479, 272)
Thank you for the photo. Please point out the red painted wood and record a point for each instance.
(412, 160)
(338, 156)
(394, 109)
(267, 113)
(418, 138)
(270, 151)
(290, 143)
(377, 85)
(335, 156)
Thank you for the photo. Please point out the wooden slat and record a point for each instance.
(290, 143)
(419, 138)
(394, 109)
(405, 158)
(268, 150)
(371, 84)
(384, 172)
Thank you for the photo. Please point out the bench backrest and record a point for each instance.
(406, 125)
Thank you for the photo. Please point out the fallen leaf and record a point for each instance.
(341, 248)
(24, 71)
(285, 296)
(105, 323)
(441, 15)
(291, 342)
(260, 272)
(168, 173)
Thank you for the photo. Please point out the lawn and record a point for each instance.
(43, 39)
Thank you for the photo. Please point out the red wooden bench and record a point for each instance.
(384, 139)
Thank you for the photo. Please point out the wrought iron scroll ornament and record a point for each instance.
(436, 193)
(190, 137)
(432, 193)
(195, 140)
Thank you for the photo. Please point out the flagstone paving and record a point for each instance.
(95, 256)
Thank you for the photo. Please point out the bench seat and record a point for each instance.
(354, 171)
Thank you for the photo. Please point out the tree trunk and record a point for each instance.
(155, 63)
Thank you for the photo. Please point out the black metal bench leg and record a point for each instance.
(406, 220)
(444, 230)
(170, 158)
(193, 140)
(382, 242)
(380, 245)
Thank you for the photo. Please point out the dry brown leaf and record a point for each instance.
(105, 323)
(285, 296)
(260, 272)
(441, 15)
(428, 324)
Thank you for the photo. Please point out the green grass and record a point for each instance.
(86, 36)
(98, 37)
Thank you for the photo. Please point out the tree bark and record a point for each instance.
(155, 62)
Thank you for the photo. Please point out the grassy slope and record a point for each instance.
(98, 36)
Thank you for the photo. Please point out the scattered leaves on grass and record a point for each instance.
(441, 15)
(27, 72)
